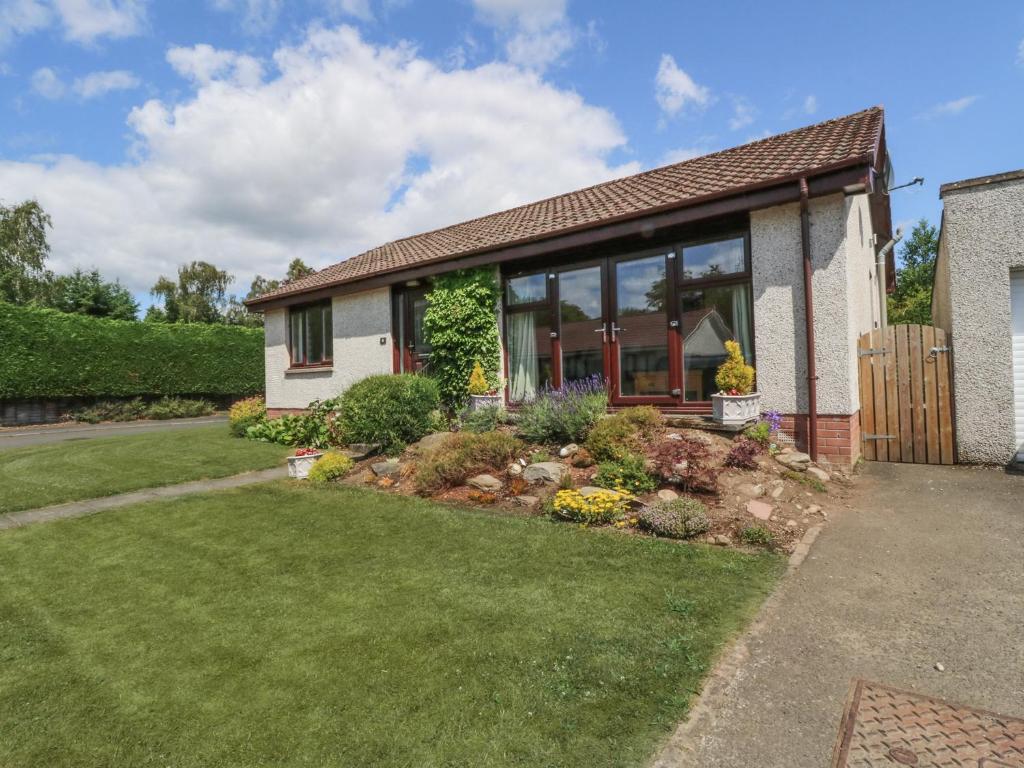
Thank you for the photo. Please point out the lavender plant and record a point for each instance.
(565, 413)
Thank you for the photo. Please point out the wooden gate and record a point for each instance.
(906, 411)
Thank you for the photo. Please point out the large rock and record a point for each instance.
(568, 450)
(390, 468)
(526, 501)
(796, 461)
(545, 472)
(759, 509)
(488, 483)
(819, 473)
(432, 441)
(515, 469)
(666, 494)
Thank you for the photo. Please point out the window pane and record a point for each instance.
(724, 257)
(579, 294)
(419, 310)
(710, 317)
(527, 289)
(314, 334)
(529, 352)
(328, 333)
(640, 289)
(297, 320)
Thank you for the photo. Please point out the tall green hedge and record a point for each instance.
(49, 354)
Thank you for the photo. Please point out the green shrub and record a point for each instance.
(246, 413)
(314, 429)
(566, 414)
(137, 408)
(676, 519)
(758, 536)
(463, 455)
(330, 466)
(482, 419)
(49, 354)
(628, 474)
(391, 409)
(760, 432)
(461, 325)
(612, 438)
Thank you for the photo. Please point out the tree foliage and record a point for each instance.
(199, 295)
(461, 325)
(911, 302)
(87, 293)
(23, 251)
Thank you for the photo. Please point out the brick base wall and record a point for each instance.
(838, 436)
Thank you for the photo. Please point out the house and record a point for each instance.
(978, 299)
(638, 280)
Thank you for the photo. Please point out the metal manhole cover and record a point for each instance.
(883, 726)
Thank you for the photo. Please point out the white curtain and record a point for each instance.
(522, 356)
(741, 318)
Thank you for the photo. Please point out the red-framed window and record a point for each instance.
(310, 334)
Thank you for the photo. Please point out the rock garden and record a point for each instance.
(562, 455)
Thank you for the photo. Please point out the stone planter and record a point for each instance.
(299, 466)
(736, 409)
(476, 402)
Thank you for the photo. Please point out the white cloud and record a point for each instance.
(535, 33)
(742, 114)
(948, 108)
(674, 89)
(258, 16)
(347, 146)
(21, 17)
(203, 63)
(47, 83)
(83, 21)
(1020, 53)
(810, 105)
(680, 154)
(99, 83)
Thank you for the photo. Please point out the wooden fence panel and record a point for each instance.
(906, 395)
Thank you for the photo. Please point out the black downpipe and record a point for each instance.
(812, 375)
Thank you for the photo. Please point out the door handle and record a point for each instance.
(615, 330)
(603, 330)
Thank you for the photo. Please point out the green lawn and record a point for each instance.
(84, 469)
(277, 625)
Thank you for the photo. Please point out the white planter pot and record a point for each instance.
(735, 409)
(476, 402)
(299, 466)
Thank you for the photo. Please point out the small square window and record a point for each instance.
(722, 257)
(527, 289)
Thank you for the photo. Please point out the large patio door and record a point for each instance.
(643, 367)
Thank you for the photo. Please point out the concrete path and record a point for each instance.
(42, 433)
(80, 508)
(928, 568)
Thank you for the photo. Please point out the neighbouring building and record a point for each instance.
(978, 298)
(639, 280)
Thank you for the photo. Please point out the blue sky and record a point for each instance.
(245, 132)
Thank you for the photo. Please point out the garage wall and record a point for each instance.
(983, 240)
(360, 321)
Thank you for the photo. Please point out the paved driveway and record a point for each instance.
(40, 435)
(928, 568)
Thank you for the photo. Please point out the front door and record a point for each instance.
(643, 366)
(413, 349)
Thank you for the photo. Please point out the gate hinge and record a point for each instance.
(878, 437)
(935, 350)
(869, 352)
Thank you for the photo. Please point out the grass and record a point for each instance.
(805, 479)
(89, 468)
(287, 625)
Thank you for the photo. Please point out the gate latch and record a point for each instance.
(936, 350)
(869, 352)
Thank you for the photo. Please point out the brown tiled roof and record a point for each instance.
(834, 143)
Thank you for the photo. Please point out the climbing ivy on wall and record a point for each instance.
(461, 325)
